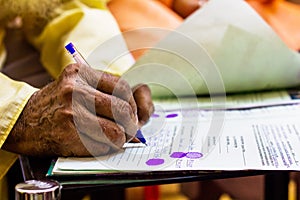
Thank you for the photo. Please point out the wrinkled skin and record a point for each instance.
(84, 112)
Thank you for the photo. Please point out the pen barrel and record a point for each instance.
(79, 59)
(38, 190)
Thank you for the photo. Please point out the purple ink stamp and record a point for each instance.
(194, 155)
(155, 161)
(178, 155)
(172, 115)
(155, 115)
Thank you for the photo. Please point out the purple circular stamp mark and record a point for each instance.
(194, 155)
(155, 161)
(172, 115)
(178, 155)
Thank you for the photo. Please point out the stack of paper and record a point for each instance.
(264, 138)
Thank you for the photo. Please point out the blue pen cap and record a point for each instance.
(70, 47)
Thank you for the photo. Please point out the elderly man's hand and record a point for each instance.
(85, 112)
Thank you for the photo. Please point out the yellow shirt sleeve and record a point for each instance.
(13, 97)
(87, 24)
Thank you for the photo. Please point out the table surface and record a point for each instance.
(36, 168)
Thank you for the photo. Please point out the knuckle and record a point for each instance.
(71, 69)
(124, 109)
(124, 86)
(67, 89)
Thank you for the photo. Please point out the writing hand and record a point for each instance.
(83, 112)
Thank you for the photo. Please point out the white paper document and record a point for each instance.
(224, 46)
(265, 138)
(239, 100)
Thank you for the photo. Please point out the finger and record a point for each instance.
(98, 128)
(118, 87)
(109, 84)
(142, 96)
(107, 106)
(93, 147)
(117, 110)
(83, 146)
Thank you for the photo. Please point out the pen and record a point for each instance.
(76, 55)
(80, 60)
(140, 136)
